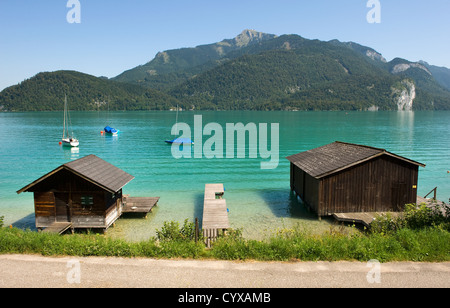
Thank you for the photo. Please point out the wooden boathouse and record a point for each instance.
(350, 178)
(82, 194)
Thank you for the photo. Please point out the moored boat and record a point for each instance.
(183, 141)
(68, 140)
(111, 131)
(180, 141)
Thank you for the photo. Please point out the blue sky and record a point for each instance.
(115, 36)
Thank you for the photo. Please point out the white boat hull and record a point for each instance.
(70, 143)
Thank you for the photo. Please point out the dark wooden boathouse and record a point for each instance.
(350, 178)
(82, 194)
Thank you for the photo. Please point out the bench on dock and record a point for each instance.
(142, 205)
(215, 213)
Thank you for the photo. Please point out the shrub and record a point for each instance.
(386, 224)
(415, 218)
(1, 221)
(171, 231)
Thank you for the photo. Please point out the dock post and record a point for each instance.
(196, 230)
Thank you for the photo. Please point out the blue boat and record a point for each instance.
(111, 131)
(182, 141)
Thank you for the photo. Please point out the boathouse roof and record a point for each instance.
(94, 170)
(337, 156)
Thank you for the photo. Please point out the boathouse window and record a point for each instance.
(87, 200)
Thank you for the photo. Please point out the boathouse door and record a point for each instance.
(62, 207)
(399, 196)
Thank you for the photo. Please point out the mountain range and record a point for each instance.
(253, 71)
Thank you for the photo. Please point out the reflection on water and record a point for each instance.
(71, 153)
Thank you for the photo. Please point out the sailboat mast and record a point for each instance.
(176, 127)
(65, 112)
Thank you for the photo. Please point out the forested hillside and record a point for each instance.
(46, 91)
(317, 76)
(253, 71)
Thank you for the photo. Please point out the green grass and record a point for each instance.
(420, 235)
(428, 244)
(431, 245)
(15, 241)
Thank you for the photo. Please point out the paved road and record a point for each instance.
(36, 271)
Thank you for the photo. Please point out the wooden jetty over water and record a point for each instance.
(215, 213)
(142, 205)
(367, 218)
(364, 219)
(432, 203)
(58, 227)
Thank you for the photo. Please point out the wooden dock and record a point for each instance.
(432, 203)
(139, 204)
(58, 227)
(365, 219)
(130, 205)
(215, 213)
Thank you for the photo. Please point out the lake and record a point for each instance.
(259, 201)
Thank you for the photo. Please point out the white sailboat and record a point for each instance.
(180, 141)
(68, 140)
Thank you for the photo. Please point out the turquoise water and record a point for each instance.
(259, 200)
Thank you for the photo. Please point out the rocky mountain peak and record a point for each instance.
(251, 36)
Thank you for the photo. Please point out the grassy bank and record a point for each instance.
(420, 235)
(430, 244)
